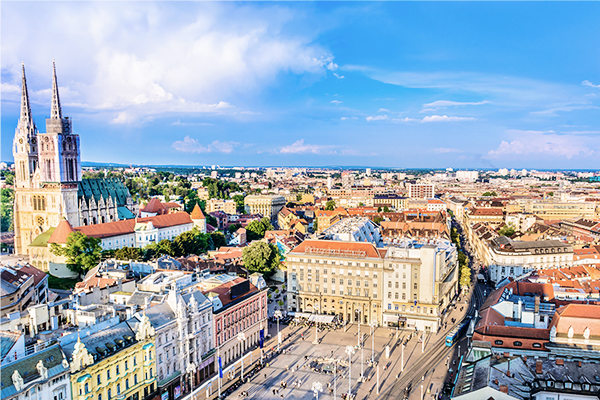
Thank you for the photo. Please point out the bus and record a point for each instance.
(457, 332)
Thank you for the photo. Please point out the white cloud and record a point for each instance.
(405, 119)
(445, 118)
(444, 150)
(179, 123)
(564, 108)
(448, 103)
(377, 118)
(545, 143)
(148, 59)
(383, 110)
(590, 84)
(345, 118)
(338, 76)
(336, 102)
(332, 66)
(582, 133)
(299, 147)
(251, 113)
(190, 145)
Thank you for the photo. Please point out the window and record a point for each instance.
(126, 384)
(98, 379)
(390, 284)
(109, 395)
(134, 360)
(389, 306)
(498, 342)
(126, 368)
(397, 285)
(135, 379)
(117, 369)
(396, 307)
(118, 389)
(537, 345)
(108, 375)
(517, 343)
(415, 285)
(100, 397)
(389, 295)
(396, 296)
(403, 285)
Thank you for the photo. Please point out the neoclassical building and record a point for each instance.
(48, 179)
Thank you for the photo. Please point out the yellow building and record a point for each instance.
(115, 363)
(227, 206)
(266, 205)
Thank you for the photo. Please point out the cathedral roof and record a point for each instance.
(103, 187)
(197, 213)
(61, 233)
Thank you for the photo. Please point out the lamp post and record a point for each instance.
(315, 308)
(373, 326)
(191, 370)
(277, 314)
(349, 351)
(358, 310)
(241, 337)
(334, 379)
(316, 388)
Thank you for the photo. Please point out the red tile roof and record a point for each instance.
(223, 291)
(154, 206)
(125, 227)
(61, 233)
(197, 213)
(334, 247)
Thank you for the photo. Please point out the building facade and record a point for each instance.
(227, 206)
(266, 205)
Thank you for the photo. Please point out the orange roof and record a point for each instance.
(153, 206)
(117, 228)
(487, 211)
(578, 316)
(334, 247)
(62, 231)
(197, 213)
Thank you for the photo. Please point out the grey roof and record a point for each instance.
(51, 358)
(106, 342)
(7, 341)
(7, 288)
(199, 296)
(139, 298)
(159, 316)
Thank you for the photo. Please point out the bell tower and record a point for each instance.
(25, 146)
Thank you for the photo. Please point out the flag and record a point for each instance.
(262, 338)
(220, 368)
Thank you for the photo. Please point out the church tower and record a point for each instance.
(47, 171)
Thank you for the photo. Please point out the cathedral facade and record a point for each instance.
(48, 180)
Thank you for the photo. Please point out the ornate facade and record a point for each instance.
(48, 179)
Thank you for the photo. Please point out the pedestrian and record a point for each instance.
(265, 376)
(273, 392)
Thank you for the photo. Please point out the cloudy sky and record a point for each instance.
(469, 84)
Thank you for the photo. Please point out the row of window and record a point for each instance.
(425, 310)
(517, 343)
(336, 262)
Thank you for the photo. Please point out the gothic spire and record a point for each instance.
(56, 112)
(25, 108)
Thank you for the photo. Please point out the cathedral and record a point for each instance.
(48, 181)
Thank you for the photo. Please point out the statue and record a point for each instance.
(43, 371)
(553, 334)
(586, 333)
(17, 380)
(81, 357)
(145, 329)
(570, 332)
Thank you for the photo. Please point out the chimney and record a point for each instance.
(539, 367)
(504, 388)
(525, 358)
(495, 381)
(560, 361)
(579, 363)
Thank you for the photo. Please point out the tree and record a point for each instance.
(6, 209)
(386, 209)
(256, 229)
(490, 194)
(378, 220)
(233, 227)
(128, 253)
(361, 204)
(218, 239)
(330, 205)
(261, 257)
(239, 203)
(507, 230)
(280, 303)
(186, 243)
(82, 252)
(379, 209)
(299, 197)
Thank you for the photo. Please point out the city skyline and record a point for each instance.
(473, 85)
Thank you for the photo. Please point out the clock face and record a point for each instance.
(46, 138)
(21, 141)
(33, 141)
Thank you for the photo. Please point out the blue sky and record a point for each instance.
(394, 84)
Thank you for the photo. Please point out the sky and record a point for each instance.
(377, 84)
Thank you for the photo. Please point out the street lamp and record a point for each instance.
(241, 337)
(349, 351)
(316, 388)
(315, 308)
(191, 370)
(373, 326)
(277, 314)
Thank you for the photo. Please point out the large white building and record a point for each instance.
(354, 229)
(511, 259)
(266, 205)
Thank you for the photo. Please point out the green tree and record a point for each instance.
(378, 220)
(507, 230)
(280, 303)
(82, 252)
(190, 242)
(330, 205)
(361, 204)
(234, 227)
(239, 203)
(379, 209)
(128, 253)
(256, 229)
(299, 197)
(490, 194)
(386, 209)
(7, 197)
(261, 257)
(218, 239)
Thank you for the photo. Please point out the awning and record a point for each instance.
(322, 318)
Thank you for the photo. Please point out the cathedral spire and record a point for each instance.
(56, 112)
(25, 108)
